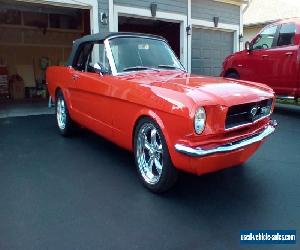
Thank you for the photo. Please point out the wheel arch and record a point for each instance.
(153, 116)
(231, 70)
(57, 89)
(66, 97)
(64, 92)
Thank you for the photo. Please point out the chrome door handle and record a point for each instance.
(75, 77)
(265, 56)
(289, 53)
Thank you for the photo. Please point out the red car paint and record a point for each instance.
(277, 66)
(111, 106)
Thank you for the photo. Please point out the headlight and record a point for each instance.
(199, 123)
(268, 108)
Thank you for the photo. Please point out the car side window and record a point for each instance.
(265, 39)
(80, 61)
(286, 34)
(98, 56)
(89, 55)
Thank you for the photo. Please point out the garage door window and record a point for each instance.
(12, 17)
(265, 39)
(60, 21)
(34, 19)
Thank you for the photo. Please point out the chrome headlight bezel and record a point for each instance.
(199, 120)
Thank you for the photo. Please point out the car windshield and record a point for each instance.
(138, 53)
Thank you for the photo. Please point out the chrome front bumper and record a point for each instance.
(199, 152)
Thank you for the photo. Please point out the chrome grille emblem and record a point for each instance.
(253, 112)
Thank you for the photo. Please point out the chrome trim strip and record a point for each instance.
(247, 124)
(110, 57)
(199, 152)
(134, 35)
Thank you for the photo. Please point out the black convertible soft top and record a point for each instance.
(99, 37)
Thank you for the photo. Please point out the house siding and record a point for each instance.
(209, 46)
(207, 9)
(173, 6)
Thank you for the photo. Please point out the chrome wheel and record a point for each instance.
(149, 153)
(61, 113)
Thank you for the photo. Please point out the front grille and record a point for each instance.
(247, 113)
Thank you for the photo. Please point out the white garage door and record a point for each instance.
(209, 48)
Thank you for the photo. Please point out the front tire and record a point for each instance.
(64, 122)
(152, 157)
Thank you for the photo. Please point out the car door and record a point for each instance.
(91, 97)
(285, 61)
(74, 71)
(259, 64)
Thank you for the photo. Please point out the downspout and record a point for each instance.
(246, 6)
(243, 9)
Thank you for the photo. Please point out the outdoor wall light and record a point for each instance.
(216, 21)
(189, 30)
(103, 18)
(241, 37)
(153, 8)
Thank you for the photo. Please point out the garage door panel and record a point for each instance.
(209, 48)
(202, 71)
(196, 53)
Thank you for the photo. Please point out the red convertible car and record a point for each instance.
(131, 89)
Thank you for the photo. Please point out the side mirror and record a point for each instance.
(99, 68)
(248, 46)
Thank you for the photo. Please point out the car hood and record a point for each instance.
(202, 89)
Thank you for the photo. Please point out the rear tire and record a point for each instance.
(152, 157)
(64, 122)
(232, 75)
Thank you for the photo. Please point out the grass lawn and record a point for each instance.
(292, 102)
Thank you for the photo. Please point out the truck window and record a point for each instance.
(286, 34)
(265, 39)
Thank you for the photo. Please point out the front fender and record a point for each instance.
(173, 127)
(153, 115)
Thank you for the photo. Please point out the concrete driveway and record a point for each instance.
(83, 193)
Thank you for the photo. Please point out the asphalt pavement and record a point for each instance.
(83, 192)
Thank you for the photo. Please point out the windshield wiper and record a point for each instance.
(169, 67)
(138, 68)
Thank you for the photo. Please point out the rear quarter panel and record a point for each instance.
(57, 77)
